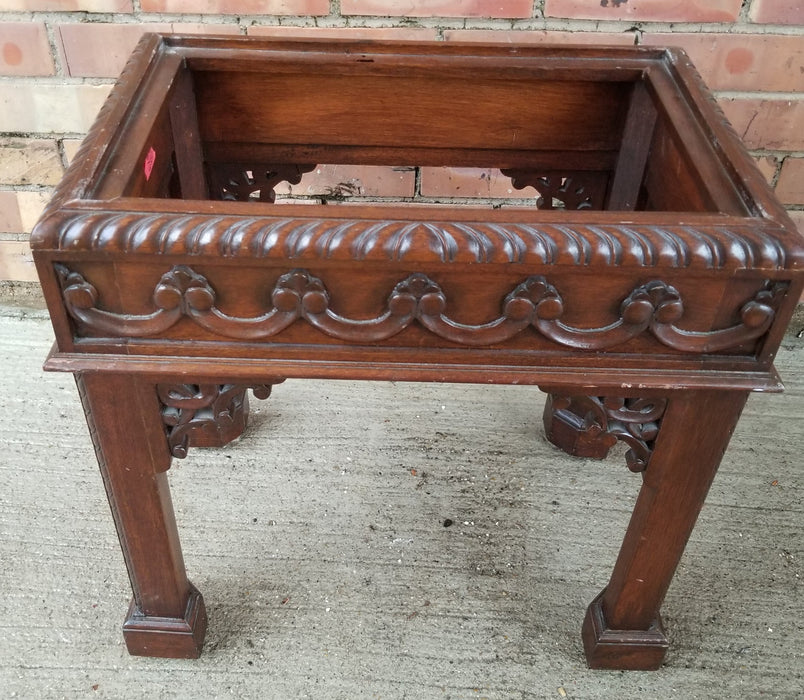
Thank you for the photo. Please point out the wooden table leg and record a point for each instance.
(167, 616)
(622, 629)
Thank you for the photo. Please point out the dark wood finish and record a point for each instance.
(647, 292)
(187, 139)
(314, 108)
(534, 305)
(167, 616)
(205, 415)
(252, 180)
(673, 490)
(571, 426)
(562, 189)
(589, 426)
(243, 152)
(633, 156)
(150, 146)
(624, 650)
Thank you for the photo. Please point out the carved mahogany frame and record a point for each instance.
(704, 285)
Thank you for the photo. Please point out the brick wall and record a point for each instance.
(58, 59)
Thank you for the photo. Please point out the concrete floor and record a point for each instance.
(319, 543)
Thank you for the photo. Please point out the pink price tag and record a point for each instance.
(148, 166)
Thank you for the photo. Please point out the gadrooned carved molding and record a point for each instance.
(606, 420)
(213, 414)
(711, 247)
(182, 293)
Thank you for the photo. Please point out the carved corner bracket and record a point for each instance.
(562, 190)
(205, 415)
(589, 426)
(238, 182)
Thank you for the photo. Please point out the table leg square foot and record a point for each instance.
(623, 650)
(167, 637)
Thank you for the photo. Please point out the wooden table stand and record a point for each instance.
(646, 294)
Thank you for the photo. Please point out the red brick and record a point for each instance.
(70, 147)
(778, 11)
(353, 181)
(439, 8)
(645, 10)
(100, 50)
(413, 34)
(538, 37)
(16, 262)
(29, 162)
(470, 182)
(198, 28)
(756, 62)
(49, 108)
(798, 219)
(10, 221)
(771, 123)
(239, 7)
(31, 206)
(24, 49)
(433, 206)
(767, 166)
(790, 187)
(65, 5)
(281, 199)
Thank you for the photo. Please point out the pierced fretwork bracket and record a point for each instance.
(577, 189)
(589, 426)
(242, 182)
(206, 415)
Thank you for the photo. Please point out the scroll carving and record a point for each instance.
(179, 292)
(574, 190)
(205, 415)
(655, 307)
(590, 425)
(241, 183)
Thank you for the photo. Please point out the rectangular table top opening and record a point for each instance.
(602, 129)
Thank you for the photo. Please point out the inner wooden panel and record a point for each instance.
(541, 127)
(416, 112)
(155, 172)
(679, 177)
(670, 184)
(579, 143)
